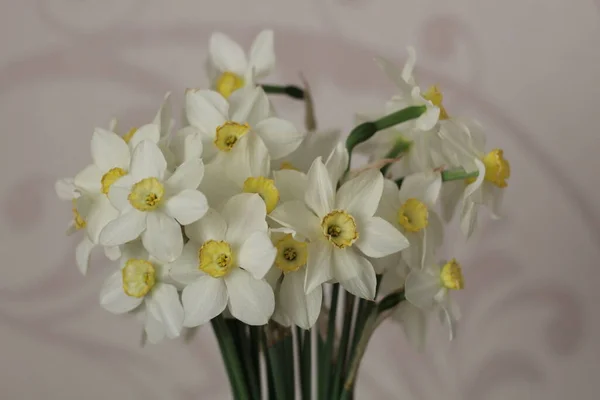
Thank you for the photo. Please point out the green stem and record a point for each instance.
(344, 342)
(289, 90)
(288, 364)
(401, 146)
(398, 117)
(232, 363)
(248, 361)
(458, 174)
(306, 366)
(325, 360)
(275, 350)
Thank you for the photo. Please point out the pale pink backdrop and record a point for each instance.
(528, 69)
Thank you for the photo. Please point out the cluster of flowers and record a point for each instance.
(217, 217)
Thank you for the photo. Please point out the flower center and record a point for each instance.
(291, 254)
(127, 137)
(215, 258)
(497, 168)
(77, 218)
(451, 275)
(139, 277)
(111, 177)
(265, 188)
(339, 228)
(288, 165)
(435, 96)
(229, 133)
(413, 215)
(147, 194)
(228, 83)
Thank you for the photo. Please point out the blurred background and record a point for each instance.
(527, 69)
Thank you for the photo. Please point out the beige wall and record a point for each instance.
(528, 69)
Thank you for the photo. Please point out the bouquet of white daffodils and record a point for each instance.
(241, 219)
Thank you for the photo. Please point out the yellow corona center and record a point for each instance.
(228, 83)
(291, 254)
(111, 177)
(265, 188)
(147, 194)
(339, 228)
(77, 218)
(229, 133)
(451, 275)
(288, 165)
(127, 137)
(434, 95)
(215, 258)
(139, 277)
(497, 168)
(413, 215)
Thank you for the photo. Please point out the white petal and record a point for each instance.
(113, 253)
(154, 328)
(162, 238)
(163, 118)
(206, 110)
(468, 217)
(471, 188)
(216, 187)
(394, 73)
(89, 179)
(320, 191)
(280, 136)
(187, 176)
(210, 227)
(250, 300)
(428, 119)
(451, 194)
(257, 254)
(185, 269)
(424, 186)
(101, 213)
(390, 204)
(187, 206)
(355, 273)
(149, 132)
(272, 276)
(421, 288)
(337, 162)
(147, 161)
(303, 309)
(118, 193)
(414, 323)
(65, 189)
(203, 300)
(82, 254)
(360, 196)
(163, 303)
(187, 144)
(114, 299)
(319, 268)
(250, 105)
(244, 214)
(291, 184)
(226, 54)
(249, 157)
(378, 238)
(109, 150)
(262, 54)
(294, 214)
(127, 227)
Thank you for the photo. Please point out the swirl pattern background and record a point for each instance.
(527, 70)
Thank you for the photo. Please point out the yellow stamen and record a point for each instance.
(265, 188)
(127, 137)
(77, 218)
(139, 277)
(147, 194)
(288, 165)
(215, 258)
(111, 177)
(291, 254)
(229, 133)
(435, 96)
(413, 215)
(339, 228)
(451, 275)
(228, 83)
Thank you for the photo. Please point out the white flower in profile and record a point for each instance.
(142, 284)
(230, 69)
(233, 131)
(292, 304)
(411, 210)
(152, 205)
(224, 263)
(341, 228)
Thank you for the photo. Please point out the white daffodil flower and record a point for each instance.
(293, 305)
(465, 148)
(224, 264)
(338, 225)
(228, 67)
(153, 205)
(236, 132)
(143, 282)
(411, 210)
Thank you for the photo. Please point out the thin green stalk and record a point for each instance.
(232, 363)
(401, 146)
(344, 342)
(325, 360)
(306, 366)
(458, 174)
(273, 344)
(247, 358)
(254, 337)
(398, 117)
(289, 90)
(288, 366)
